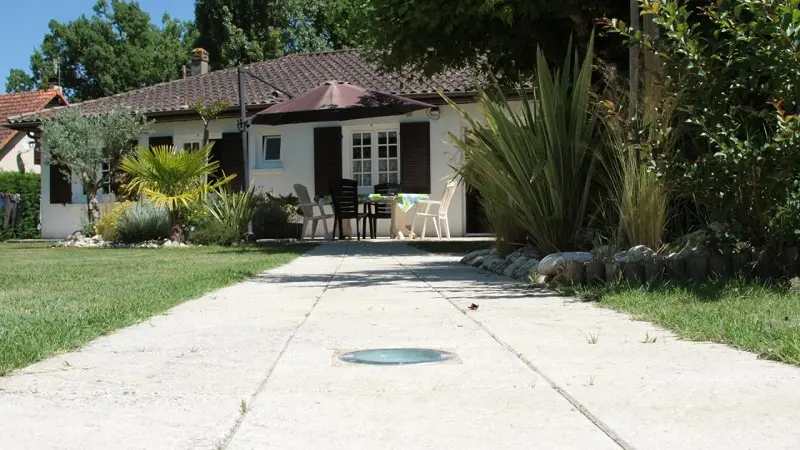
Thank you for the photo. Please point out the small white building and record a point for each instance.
(313, 154)
(18, 152)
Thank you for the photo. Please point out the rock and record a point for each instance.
(513, 256)
(494, 264)
(794, 284)
(641, 252)
(623, 257)
(97, 237)
(475, 254)
(543, 279)
(76, 236)
(526, 269)
(531, 252)
(638, 253)
(511, 268)
(552, 264)
(517, 266)
(477, 262)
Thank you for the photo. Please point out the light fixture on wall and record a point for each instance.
(434, 113)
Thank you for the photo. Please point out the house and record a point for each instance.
(18, 151)
(311, 153)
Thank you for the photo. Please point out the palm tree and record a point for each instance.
(172, 180)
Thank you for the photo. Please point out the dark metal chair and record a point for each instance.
(381, 210)
(344, 196)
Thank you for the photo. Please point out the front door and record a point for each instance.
(228, 152)
(476, 215)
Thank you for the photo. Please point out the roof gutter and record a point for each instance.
(233, 111)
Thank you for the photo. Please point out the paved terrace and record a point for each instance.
(253, 366)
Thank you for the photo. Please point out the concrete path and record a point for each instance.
(253, 366)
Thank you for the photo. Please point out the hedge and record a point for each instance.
(27, 185)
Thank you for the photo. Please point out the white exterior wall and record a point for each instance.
(18, 151)
(297, 160)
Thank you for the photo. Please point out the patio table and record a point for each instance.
(401, 204)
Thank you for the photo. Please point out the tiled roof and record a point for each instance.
(23, 103)
(291, 74)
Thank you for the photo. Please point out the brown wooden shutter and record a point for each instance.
(60, 186)
(327, 158)
(37, 152)
(415, 157)
(158, 141)
(228, 152)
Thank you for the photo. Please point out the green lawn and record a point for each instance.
(760, 317)
(56, 299)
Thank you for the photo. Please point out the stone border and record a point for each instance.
(521, 264)
(582, 267)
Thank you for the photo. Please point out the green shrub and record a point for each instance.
(736, 67)
(215, 233)
(143, 222)
(231, 209)
(536, 163)
(273, 214)
(28, 186)
(108, 222)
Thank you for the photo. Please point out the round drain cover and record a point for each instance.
(396, 356)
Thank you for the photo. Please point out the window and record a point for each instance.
(376, 157)
(191, 146)
(362, 158)
(388, 157)
(270, 155)
(106, 175)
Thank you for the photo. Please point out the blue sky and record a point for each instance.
(26, 22)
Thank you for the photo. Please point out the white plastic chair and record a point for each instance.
(307, 206)
(439, 216)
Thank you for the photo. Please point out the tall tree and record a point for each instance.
(434, 35)
(115, 50)
(81, 145)
(243, 31)
(19, 81)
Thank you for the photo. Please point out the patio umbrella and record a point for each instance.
(336, 101)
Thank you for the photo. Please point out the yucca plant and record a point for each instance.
(234, 210)
(172, 180)
(535, 162)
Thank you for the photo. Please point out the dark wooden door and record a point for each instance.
(228, 152)
(476, 215)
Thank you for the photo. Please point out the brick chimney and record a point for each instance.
(52, 83)
(199, 62)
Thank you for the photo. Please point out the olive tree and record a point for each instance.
(82, 145)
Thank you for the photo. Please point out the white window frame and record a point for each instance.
(105, 171)
(194, 145)
(268, 164)
(374, 155)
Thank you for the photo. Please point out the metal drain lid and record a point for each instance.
(396, 356)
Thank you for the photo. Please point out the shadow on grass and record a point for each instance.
(706, 292)
(268, 248)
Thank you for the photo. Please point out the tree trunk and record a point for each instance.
(92, 203)
(177, 227)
